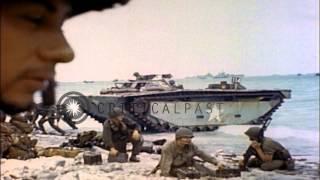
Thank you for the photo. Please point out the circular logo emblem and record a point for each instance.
(73, 106)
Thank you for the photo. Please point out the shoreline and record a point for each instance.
(58, 167)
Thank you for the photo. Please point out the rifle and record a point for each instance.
(48, 94)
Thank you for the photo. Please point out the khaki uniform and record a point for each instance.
(172, 158)
(117, 136)
(279, 156)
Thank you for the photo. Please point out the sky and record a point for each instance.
(194, 37)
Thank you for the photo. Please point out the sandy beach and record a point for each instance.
(58, 167)
(215, 67)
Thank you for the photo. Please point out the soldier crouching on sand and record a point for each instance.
(179, 154)
(118, 131)
(269, 154)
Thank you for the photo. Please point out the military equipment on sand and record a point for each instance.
(187, 172)
(58, 151)
(92, 158)
(227, 173)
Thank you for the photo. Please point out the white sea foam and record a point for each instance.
(236, 130)
(279, 132)
(287, 132)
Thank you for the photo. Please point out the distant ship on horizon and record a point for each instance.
(221, 75)
(86, 81)
(226, 75)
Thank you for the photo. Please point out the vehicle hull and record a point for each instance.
(198, 109)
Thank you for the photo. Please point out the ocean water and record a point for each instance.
(295, 124)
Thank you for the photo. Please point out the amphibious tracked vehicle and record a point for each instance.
(159, 105)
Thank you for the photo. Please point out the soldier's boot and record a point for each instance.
(134, 158)
(136, 148)
(40, 124)
(254, 162)
(272, 165)
(55, 127)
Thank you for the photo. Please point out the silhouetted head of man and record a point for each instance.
(32, 43)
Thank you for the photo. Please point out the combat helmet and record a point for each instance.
(115, 112)
(254, 132)
(184, 132)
